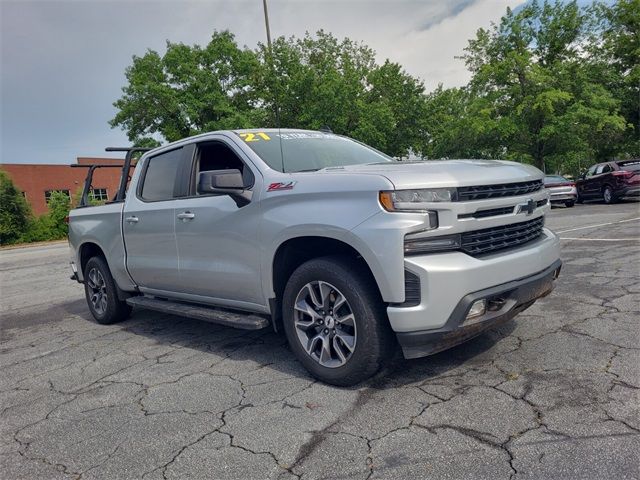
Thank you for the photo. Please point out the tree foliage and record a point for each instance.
(320, 81)
(14, 211)
(188, 90)
(17, 224)
(530, 72)
(552, 84)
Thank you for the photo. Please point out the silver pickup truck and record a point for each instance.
(346, 250)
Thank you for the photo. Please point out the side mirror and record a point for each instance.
(225, 182)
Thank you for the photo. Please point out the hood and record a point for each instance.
(446, 173)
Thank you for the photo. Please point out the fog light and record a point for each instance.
(478, 309)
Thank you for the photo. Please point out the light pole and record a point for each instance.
(266, 23)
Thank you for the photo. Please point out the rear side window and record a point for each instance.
(160, 176)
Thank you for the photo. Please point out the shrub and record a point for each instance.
(15, 213)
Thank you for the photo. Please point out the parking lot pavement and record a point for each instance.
(553, 394)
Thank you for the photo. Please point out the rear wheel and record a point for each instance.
(101, 293)
(607, 195)
(335, 320)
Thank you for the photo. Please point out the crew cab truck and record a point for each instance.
(347, 251)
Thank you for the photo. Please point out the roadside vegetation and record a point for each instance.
(553, 84)
(18, 224)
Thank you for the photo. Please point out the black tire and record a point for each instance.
(579, 200)
(569, 204)
(111, 309)
(373, 338)
(608, 196)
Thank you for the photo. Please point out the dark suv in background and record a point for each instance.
(610, 181)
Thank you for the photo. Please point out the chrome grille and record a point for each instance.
(481, 192)
(489, 212)
(488, 240)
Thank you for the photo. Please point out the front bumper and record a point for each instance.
(563, 197)
(509, 299)
(446, 278)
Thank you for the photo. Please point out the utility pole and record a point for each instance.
(270, 59)
(266, 23)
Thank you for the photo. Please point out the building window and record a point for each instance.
(47, 194)
(99, 194)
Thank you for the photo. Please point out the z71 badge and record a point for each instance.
(274, 187)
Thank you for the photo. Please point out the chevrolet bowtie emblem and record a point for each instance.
(527, 208)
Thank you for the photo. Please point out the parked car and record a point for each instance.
(610, 181)
(562, 190)
(347, 251)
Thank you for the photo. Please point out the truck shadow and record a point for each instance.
(243, 350)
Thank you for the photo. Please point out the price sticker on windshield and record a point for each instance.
(254, 137)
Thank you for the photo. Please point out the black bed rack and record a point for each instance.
(124, 176)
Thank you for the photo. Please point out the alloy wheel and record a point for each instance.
(97, 291)
(325, 324)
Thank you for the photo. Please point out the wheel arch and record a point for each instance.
(90, 249)
(86, 251)
(297, 250)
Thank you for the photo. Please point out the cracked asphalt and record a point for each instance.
(553, 394)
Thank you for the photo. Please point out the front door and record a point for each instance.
(588, 185)
(217, 238)
(152, 255)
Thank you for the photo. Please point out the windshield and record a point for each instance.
(304, 151)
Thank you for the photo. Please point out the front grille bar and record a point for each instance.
(481, 192)
(488, 240)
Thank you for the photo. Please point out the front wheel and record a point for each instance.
(569, 204)
(335, 320)
(101, 293)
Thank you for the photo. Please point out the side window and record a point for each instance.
(606, 168)
(218, 156)
(600, 169)
(591, 171)
(160, 176)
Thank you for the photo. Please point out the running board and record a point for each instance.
(228, 318)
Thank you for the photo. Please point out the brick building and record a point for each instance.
(37, 181)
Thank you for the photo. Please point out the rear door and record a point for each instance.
(148, 223)
(217, 238)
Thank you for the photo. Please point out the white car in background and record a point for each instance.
(561, 190)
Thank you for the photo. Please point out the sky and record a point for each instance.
(62, 62)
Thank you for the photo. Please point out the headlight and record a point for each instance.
(415, 200)
(414, 245)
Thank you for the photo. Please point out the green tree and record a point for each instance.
(14, 211)
(311, 82)
(188, 90)
(615, 61)
(59, 206)
(319, 81)
(530, 70)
